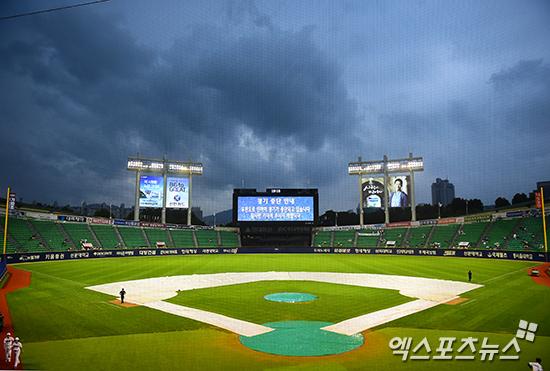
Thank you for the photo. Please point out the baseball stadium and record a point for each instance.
(329, 244)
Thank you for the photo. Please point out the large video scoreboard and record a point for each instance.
(293, 206)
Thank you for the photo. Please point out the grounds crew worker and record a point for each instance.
(17, 351)
(122, 293)
(8, 343)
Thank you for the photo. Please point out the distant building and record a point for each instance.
(197, 211)
(546, 186)
(443, 192)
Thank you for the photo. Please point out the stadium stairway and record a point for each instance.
(133, 237)
(443, 236)
(475, 233)
(119, 237)
(72, 244)
(183, 238)
(398, 235)
(37, 235)
(509, 241)
(94, 236)
(146, 238)
(418, 236)
(107, 236)
(500, 232)
(52, 235)
(170, 239)
(155, 235)
(484, 235)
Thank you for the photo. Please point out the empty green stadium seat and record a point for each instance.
(20, 231)
(51, 233)
(472, 233)
(344, 238)
(498, 233)
(229, 239)
(528, 235)
(443, 235)
(79, 232)
(158, 235)
(393, 234)
(368, 238)
(322, 239)
(106, 235)
(206, 238)
(133, 237)
(182, 237)
(418, 236)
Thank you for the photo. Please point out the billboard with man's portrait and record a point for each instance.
(399, 190)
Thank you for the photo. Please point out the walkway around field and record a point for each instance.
(18, 279)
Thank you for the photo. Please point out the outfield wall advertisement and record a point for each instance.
(151, 191)
(75, 255)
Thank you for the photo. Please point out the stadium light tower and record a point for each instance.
(155, 194)
(385, 167)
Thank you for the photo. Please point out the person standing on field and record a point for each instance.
(122, 293)
(536, 366)
(8, 343)
(469, 276)
(16, 351)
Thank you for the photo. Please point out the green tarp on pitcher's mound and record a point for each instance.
(290, 297)
(301, 338)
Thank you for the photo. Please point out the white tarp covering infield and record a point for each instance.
(152, 292)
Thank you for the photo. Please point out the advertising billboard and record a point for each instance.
(373, 192)
(399, 189)
(11, 202)
(177, 192)
(151, 191)
(275, 209)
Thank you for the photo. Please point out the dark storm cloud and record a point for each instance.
(253, 108)
(275, 94)
(523, 97)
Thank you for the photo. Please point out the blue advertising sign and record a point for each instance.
(150, 191)
(275, 209)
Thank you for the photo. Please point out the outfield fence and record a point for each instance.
(91, 254)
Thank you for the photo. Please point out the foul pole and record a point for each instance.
(544, 223)
(6, 220)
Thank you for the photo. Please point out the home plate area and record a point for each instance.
(292, 338)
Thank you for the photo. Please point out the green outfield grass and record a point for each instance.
(64, 326)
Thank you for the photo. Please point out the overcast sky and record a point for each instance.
(274, 94)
